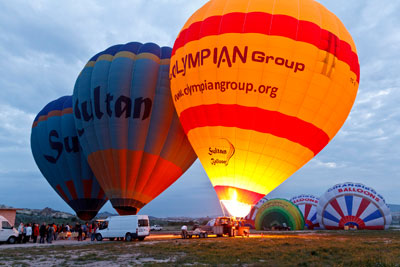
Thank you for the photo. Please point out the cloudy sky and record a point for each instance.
(44, 44)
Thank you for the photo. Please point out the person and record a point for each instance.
(90, 229)
(55, 234)
(93, 234)
(184, 231)
(24, 235)
(28, 233)
(42, 233)
(80, 231)
(84, 229)
(50, 232)
(20, 232)
(35, 232)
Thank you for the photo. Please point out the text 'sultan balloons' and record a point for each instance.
(128, 126)
(355, 206)
(308, 207)
(261, 87)
(56, 150)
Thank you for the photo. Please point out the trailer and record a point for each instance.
(223, 226)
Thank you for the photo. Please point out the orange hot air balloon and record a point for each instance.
(261, 87)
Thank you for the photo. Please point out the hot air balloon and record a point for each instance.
(128, 126)
(353, 205)
(260, 88)
(57, 153)
(250, 218)
(279, 213)
(308, 207)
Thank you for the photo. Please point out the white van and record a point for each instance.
(128, 227)
(7, 233)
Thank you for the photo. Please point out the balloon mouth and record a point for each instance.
(126, 210)
(86, 215)
(236, 208)
(126, 206)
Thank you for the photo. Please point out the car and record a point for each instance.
(7, 233)
(156, 228)
(129, 227)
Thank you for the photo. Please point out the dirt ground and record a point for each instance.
(303, 248)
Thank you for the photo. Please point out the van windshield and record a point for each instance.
(143, 222)
(6, 225)
(103, 225)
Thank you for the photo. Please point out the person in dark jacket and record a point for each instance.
(42, 233)
(50, 233)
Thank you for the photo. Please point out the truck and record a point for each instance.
(129, 227)
(7, 232)
(223, 226)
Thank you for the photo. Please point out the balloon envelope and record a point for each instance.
(261, 87)
(127, 124)
(251, 217)
(353, 205)
(57, 152)
(308, 207)
(279, 213)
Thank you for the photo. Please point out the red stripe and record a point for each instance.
(336, 206)
(87, 188)
(62, 193)
(363, 205)
(243, 195)
(71, 189)
(307, 209)
(272, 122)
(273, 25)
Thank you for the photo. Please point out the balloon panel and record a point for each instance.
(261, 87)
(279, 212)
(128, 127)
(353, 205)
(308, 207)
(57, 152)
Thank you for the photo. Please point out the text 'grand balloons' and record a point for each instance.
(308, 207)
(261, 87)
(353, 205)
(127, 124)
(56, 150)
(279, 212)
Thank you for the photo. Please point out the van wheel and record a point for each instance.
(141, 238)
(99, 237)
(128, 237)
(11, 240)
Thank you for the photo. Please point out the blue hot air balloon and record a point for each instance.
(128, 126)
(57, 152)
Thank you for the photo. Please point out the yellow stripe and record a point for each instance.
(312, 95)
(261, 161)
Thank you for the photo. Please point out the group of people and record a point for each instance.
(30, 232)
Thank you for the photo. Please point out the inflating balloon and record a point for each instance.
(279, 213)
(57, 152)
(249, 220)
(308, 207)
(355, 206)
(127, 124)
(260, 88)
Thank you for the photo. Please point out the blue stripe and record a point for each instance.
(150, 48)
(166, 52)
(375, 215)
(349, 204)
(109, 51)
(314, 217)
(329, 216)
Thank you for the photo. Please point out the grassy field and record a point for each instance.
(358, 248)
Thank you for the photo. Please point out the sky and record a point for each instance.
(44, 45)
